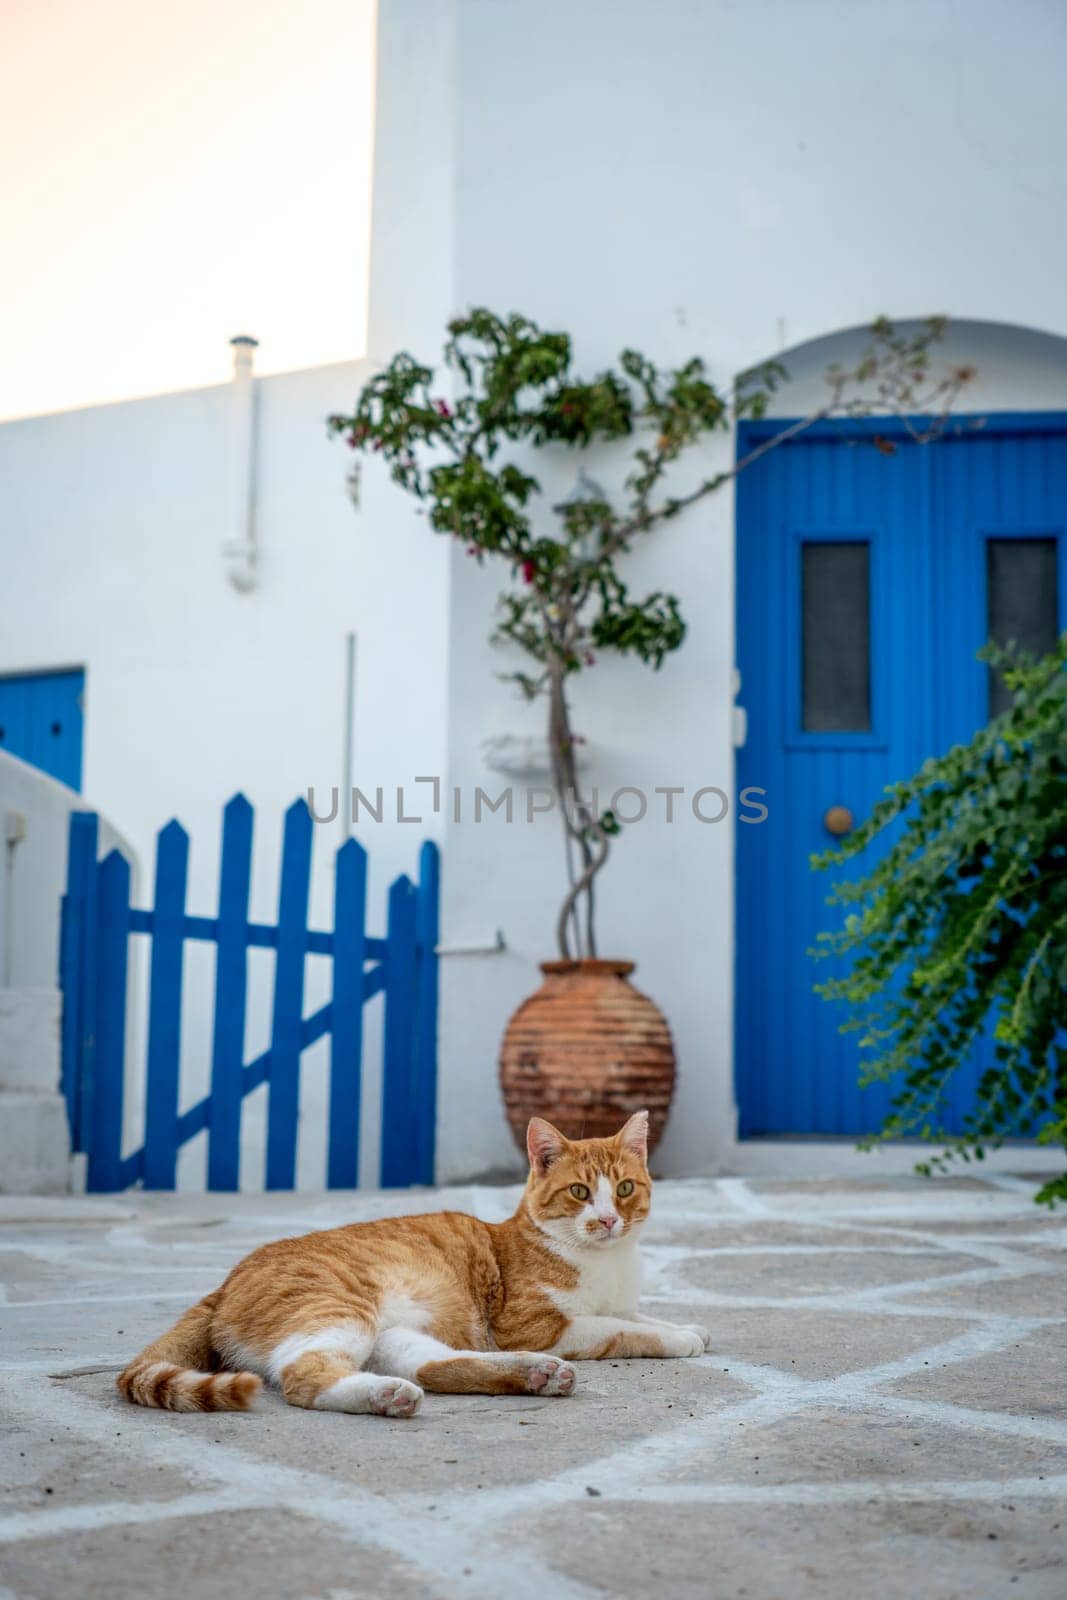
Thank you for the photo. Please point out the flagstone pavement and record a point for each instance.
(883, 1412)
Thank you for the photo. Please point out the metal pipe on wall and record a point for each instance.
(239, 549)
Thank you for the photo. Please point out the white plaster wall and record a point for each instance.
(35, 819)
(731, 180)
(34, 824)
(113, 524)
(34, 1132)
(665, 899)
(737, 178)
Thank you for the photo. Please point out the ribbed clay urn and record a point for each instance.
(586, 1051)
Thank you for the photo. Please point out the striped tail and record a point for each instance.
(170, 1388)
(169, 1374)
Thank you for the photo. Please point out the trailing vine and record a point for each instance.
(962, 927)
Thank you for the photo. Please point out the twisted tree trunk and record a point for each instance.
(575, 925)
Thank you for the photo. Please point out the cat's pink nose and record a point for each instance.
(607, 1222)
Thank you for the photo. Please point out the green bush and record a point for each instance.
(964, 922)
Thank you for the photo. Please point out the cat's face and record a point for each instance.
(588, 1194)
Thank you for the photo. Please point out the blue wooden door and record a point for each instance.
(41, 722)
(870, 571)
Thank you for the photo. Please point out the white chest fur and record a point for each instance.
(609, 1281)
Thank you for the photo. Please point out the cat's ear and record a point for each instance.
(634, 1135)
(544, 1145)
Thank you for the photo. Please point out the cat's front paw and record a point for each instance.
(395, 1397)
(549, 1376)
(701, 1333)
(681, 1342)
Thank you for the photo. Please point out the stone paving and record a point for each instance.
(884, 1412)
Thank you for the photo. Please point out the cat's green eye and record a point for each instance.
(625, 1187)
(579, 1191)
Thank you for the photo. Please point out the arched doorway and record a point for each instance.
(867, 580)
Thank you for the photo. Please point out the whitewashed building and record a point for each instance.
(737, 181)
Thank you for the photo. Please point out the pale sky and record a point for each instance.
(174, 174)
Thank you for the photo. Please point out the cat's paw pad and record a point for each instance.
(549, 1376)
(396, 1397)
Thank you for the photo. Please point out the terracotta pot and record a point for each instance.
(586, 1051)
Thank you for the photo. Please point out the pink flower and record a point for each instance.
(442, 408)
(528, 572)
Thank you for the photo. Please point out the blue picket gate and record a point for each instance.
(97, 924)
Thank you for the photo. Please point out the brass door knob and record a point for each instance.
(838, 820)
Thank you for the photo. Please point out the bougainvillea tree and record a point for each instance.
(961, 928)
(464, 443)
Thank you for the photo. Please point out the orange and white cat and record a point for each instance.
(366, 1317)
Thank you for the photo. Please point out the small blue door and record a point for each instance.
(41, 722)
(870, 571)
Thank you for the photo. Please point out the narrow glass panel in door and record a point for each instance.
(1021, 590)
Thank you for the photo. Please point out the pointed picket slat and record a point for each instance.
(398, 1110)
(165, 1008)
(346, 1043)
(76, 968)
(427, 896)
(112, 936)
(231, 991)
(283, 1102)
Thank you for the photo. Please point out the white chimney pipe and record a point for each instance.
(239, 548)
